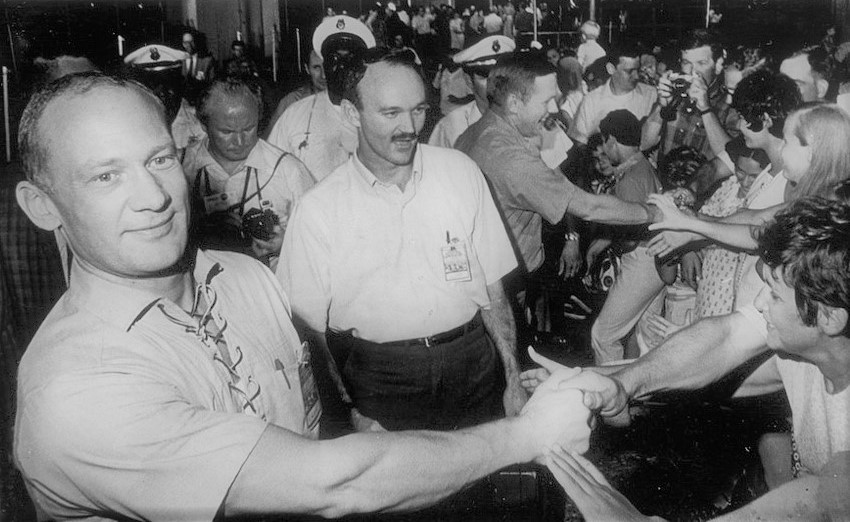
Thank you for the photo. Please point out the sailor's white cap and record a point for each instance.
(484, 53)
(342, 31)
(156, 57)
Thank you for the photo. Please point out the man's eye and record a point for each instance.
(106, 177)
(164, 162)
(391, 114)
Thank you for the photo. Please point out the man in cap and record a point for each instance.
(398, 257)
(313, 129)
(638, 282)
(505, 143)
(166, 384)
(476, 61)
(242, 187)
(159, 68)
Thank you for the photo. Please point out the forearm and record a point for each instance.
(651, 131)
(501, 325)
(363, 473)
(717, 136)
(604, 208)
(795, 500)
(734, 235)
(756, 217)
(693, 357)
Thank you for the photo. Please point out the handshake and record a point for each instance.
(560, 409)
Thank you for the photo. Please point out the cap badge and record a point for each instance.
(496, 46)
(340, 24)
(155, 54)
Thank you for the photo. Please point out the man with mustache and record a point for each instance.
(242, 187)
(398, 257)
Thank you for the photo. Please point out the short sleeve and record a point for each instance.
(303, 269)
(525, 182)
(490, 238)
(130, 440)
(580, 130)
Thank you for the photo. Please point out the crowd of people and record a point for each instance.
(375, 241)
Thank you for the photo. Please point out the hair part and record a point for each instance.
(32, 146)
(515, 74)
(809, 244)
(824, 127)
(231, 88)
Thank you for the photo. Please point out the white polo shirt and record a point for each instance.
(395, 265)
(315, 131)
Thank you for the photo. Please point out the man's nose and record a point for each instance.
(149, 192)
(761, 299)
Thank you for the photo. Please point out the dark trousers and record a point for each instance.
(409, 385)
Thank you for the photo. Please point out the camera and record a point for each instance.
(259, 224)
(680, 84)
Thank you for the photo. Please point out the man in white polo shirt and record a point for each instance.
(398, 255)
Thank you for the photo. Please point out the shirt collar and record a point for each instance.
(124, 305)
(497, 120)
(206, 160)
(373, 181)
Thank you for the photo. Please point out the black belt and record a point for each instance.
(444, 337)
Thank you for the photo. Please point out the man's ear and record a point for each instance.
(37, 205)
(822, 86)
(720, 63)
(832, 320)
(610, 68)
(512, 104)
(351, 112)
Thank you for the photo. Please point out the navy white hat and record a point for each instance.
(484, 53)
(341, 31)
(156, 57)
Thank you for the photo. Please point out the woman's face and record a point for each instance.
(746, 170)
(796, 157)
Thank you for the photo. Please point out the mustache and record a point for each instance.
(407, 136)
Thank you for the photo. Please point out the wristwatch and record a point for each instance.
(571, 236)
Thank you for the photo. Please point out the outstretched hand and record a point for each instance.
(589, 489)
(531, 379)
(598, 391)
(671, 217)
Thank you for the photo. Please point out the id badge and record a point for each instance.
(456, 261)
(309, 391)
(220, 202)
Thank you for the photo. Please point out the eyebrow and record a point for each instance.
(117, 160)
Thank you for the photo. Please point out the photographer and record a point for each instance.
(692, 108)
(242, 188)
